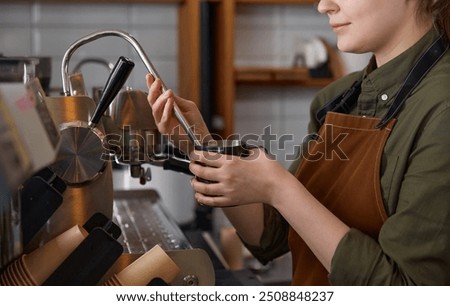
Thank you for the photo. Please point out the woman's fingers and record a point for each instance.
(204, 172)
(161, 103)
(211, 189)
(154, 87)
(214, 201)
(167, 111)
(149, 79)
(207, 193)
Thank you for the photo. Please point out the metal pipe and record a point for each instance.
(93, 60)
(143, 56)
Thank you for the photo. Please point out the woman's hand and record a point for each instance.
(235, 180)
(162, 105)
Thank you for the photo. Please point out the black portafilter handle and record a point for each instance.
(227, 147)
(115, 82)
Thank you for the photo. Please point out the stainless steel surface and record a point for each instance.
(148, 64)
(93, 60)
(77, 86)
(96, 91)
(139, 136)
(70, 109)
(131, 109)
(144, 223)
(34, 86)
(81, 157)
(87, 193)
(82, 154)
(180, 205)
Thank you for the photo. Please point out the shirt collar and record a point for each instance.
(387, 79)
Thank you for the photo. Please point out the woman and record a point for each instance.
(374, 206)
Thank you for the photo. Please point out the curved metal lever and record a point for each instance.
(143, 56)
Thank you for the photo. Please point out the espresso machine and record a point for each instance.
(82, 161)
(91, 141)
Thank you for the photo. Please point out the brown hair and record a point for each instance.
(440, 10)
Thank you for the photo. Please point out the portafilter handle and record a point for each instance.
(148, 64)
(116, 80)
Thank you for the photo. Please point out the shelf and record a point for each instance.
(278, 76)
(228, 77)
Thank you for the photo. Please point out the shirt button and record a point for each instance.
(384, 97)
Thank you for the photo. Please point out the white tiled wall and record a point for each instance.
(49, 30)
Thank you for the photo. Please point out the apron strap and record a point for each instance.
(345, 102)
(417, 73)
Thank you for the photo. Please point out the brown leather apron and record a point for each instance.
(341, 170)
(342, 166)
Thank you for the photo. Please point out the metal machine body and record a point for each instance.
(79, 163)
(83, 162)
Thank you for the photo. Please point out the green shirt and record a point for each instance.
(413, 246)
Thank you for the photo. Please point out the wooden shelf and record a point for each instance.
(228, 76)
(273, 76)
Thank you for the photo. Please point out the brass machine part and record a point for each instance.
(139, 136)
(89, 192)
(82, 155)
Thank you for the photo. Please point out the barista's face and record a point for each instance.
(369, 25)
